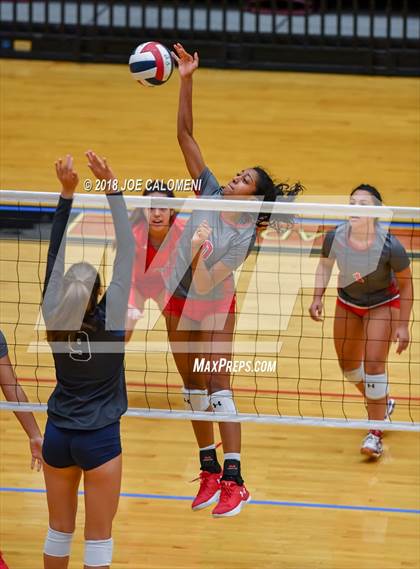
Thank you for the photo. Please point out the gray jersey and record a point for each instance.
(3, 345)
(366, 277)
(228, 242)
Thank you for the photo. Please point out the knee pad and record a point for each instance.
(98, 552)
(222, 401)
(57, 543)
(355, 375)
(376, 386)
(196, 399)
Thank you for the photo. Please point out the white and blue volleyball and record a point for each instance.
(151, 64)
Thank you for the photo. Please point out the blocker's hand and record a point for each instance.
(99, 166)
(187, 63)
(67, 176)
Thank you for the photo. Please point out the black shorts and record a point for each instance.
(86, 449)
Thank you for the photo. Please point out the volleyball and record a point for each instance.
(151, 64)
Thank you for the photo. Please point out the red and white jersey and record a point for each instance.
(149, 262)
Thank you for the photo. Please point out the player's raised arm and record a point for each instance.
(55, 261)
(187, 64)
(119, 287)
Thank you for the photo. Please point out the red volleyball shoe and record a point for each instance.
(209, 491)
(232, 499)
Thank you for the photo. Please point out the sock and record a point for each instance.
(209, 447)
(232, 471)
(232, 456)
(208, 459)
(376, 433)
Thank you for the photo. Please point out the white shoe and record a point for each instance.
(372, 446)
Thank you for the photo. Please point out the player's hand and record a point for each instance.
(36, 452)
(402, 337)
(187, 63)
(202, 233)
(99, 166)
(134, 313)
(315, 310)
(67, 176)
(280, 227)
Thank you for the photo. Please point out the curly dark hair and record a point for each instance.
(275, 192)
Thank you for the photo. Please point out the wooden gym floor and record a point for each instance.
(317, 504)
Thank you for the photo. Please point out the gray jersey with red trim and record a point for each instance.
(228, 242)
(366, 277)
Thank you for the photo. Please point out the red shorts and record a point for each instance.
(157, 295)
(361, 311)
(139, 294)
(197, 309)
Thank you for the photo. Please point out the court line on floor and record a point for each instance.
(253, 502)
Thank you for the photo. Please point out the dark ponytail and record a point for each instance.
(273, 192)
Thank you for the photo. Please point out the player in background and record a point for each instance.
(375, 296)
(156, 233)
(14, 392)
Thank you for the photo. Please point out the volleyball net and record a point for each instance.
(284, 367)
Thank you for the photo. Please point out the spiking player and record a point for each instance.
(375, 296)
(202, 303)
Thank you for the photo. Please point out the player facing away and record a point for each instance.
(86, 335)
(375, 296)
(202, 303)
(14, 392)
(156, 233)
